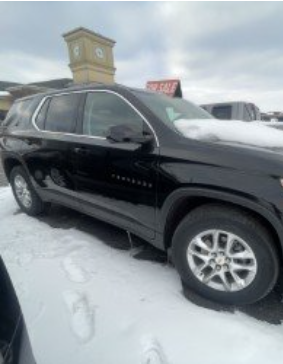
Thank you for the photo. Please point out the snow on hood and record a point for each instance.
(231, 131)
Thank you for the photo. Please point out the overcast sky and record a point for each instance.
(220, 51)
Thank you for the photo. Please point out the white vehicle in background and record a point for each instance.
(233, 111)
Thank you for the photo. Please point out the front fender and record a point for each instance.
(10, 159)
(268, 212)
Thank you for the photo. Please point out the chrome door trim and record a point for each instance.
(89, 136)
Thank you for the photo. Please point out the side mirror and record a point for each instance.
(125, 134)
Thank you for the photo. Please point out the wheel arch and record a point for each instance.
(9, 163)
(184, 201)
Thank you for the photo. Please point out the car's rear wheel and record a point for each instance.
(225, 255)
(24, 193)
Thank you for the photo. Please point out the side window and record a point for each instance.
(62, 112)
(19, 115)
(103, 110)
(40, 119)
(222, 112)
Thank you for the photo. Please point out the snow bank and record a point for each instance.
(86, 302)
(233, 131)
(4, 93)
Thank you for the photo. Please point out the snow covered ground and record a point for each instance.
(86, 302)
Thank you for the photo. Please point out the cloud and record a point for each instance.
(220, 50)
(31, 68)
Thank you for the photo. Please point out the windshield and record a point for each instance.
(170, 109)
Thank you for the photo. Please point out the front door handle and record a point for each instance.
(81, 150)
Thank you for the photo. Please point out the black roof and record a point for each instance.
(86, 86)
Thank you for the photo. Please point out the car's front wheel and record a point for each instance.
(225, 255)
(24, 193)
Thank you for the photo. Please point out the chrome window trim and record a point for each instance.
(82, 135)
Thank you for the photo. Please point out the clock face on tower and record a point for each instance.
(76, 51)
(99, 52)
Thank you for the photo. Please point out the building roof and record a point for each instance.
(21, 90)
(50, 84)
(54, 84)
(6, 84)
(87, 31)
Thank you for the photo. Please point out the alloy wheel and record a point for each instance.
(222, 260)
(22, 191)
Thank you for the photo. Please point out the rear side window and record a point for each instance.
(20, 114)
(222, 112)
(62, 112)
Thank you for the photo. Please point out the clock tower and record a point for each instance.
(91, 56)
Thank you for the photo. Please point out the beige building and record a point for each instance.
(91, 56)
(91, 59)
(5, 103)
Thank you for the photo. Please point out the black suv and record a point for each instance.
(114, 153)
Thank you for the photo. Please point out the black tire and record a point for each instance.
(246, 227)
(37, 206)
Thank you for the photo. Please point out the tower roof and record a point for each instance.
(89, 32)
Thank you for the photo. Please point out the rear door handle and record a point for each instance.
(81, 151)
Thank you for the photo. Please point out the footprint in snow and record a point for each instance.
(152, 352)
(81, 314)
(73, 271)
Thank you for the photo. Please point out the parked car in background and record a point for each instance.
(122, 155)
(15, 346)
(234, 111)
(272, 116)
